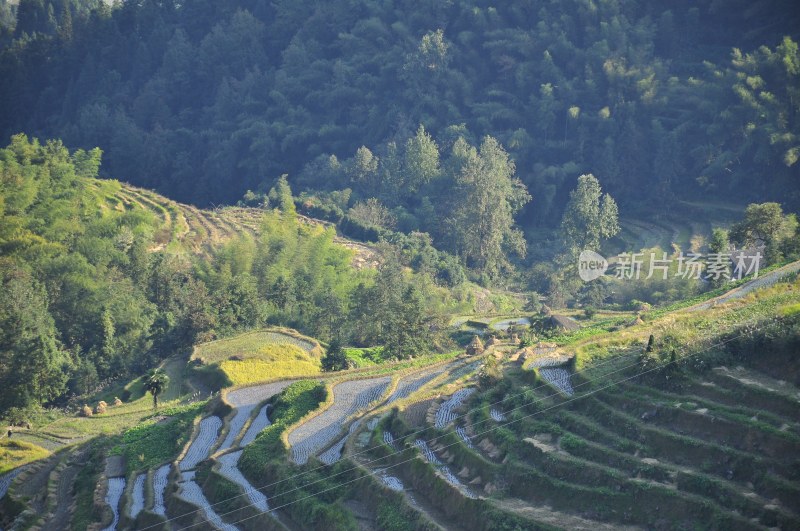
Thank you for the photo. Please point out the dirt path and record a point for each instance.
(174, 367)
(60, 517)
(761, 282)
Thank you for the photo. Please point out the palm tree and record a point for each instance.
(157, 380)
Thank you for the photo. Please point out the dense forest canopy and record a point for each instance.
(87, 295)
(204, 100)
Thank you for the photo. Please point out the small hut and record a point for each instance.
(475, 346)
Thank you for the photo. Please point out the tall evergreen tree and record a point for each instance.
(589, 218)
(486, 197)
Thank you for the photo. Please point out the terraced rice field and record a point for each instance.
(763, 281)
(392, 482)
(160, 478)
(257, 426)
(245, 400)
(194, 229)
(116, 487)
(236, 424)
(278, 338)
(388, 438)
(505, 324)
(192, 493)
(497, 415)
(544, 356)
(349, 398)
(559, 378)
(464, 437)
(137, 496)
(549, 361)
(412, 383)
(228, 468)
(334, 453)
(198, 231)
(711, 448)
(201, 445)
(255, 394)
(446, 412)
(6, 479)
(442, 469)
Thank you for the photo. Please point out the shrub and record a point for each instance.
(152, 443)
(292, 404)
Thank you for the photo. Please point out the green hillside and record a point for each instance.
(359, 265)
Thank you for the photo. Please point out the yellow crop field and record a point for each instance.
(256, 370)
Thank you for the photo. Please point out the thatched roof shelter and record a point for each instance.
(475, 346)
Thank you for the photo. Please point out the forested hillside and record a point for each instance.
(204, 100)
(100, 281)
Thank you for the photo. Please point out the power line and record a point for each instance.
(589, 393)
(464, 415)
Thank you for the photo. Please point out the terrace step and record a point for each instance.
(548, 516)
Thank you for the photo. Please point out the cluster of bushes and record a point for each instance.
(416, 248)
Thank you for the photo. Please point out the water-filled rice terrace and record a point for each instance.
(712, 449)
(321, 430)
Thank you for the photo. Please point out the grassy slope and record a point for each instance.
(15, 453)
(262, 355)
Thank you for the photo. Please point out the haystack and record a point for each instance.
(492, 342)
(475, 346)
(636, 321)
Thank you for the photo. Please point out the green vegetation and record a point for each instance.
(155, 383)
(364, 357)
(15, 453)
(628, 89)
(589, 217)
(267, 345)
(295, 402)
(157, 439)
(406, 176)
(334, 359)
(261, 355)
(89, 295)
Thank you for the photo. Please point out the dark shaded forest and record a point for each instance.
(205, 100)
